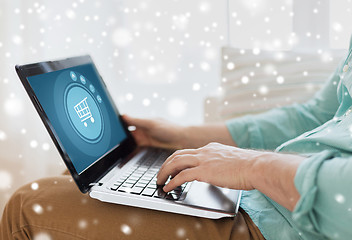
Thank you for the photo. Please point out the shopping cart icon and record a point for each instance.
(83, 111)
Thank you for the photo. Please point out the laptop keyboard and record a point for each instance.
(140, 179)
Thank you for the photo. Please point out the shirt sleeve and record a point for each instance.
(325, 206)
(270, 129)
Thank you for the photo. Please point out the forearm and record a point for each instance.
(273, 174)
(199, 136)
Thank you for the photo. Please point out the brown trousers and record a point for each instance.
(57, 210)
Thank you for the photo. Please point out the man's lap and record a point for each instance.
(57, 209)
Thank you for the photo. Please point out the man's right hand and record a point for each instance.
(157, 133)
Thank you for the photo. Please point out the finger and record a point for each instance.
(177, 153)
(138, 122)
(176, 166)
(187, 175)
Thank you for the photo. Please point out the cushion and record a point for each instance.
(254, 81)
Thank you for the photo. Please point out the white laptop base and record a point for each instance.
(201, 199)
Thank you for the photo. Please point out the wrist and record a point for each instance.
(258, 169)
(273, 174)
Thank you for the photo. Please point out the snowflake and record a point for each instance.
(340, 198)
(198, 225)
(46, 146)
(245, 80)
(263, 90)
(196, 87)
(5, 179)
(256, 51)
(280, 79)
(210, 53)
(204, 7)
(82, 224)
(176, 107)
(337, 27)
(34, 186)
(180, 232)
(42, 236)
(180, 21)
(17, 40)
(126, 229)
(129, 96)
(230, 65)
(205, 66)
(146, 102)
(3, 136)
(33, 144)
(13, 106)
(121, 37)
(70, 14)
(151, 70)
(37, 208)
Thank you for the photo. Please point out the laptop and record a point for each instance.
(99, 150)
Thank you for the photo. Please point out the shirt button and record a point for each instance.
(345, 68)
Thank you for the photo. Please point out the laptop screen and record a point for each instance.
(81, 114)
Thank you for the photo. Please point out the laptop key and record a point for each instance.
(152, 185)
(143, 181)
(159, 193)
(137, 190)
(148, 192)
(143, 185)
(127, 185)
(175, 196)
(132, 178)
(124, 189)
(169, 197)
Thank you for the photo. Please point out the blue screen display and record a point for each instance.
(80, 113)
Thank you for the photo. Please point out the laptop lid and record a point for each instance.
(80, 116)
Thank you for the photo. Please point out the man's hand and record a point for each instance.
(226, 166)
(156, 133)
(217, 164)
(163, 134)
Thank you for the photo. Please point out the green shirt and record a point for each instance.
(320, 129)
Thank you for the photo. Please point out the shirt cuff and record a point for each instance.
(306, 184)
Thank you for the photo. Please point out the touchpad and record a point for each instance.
(211, 197)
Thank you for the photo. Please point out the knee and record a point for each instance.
(27, 203)
(12, 218)
(15, 205)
